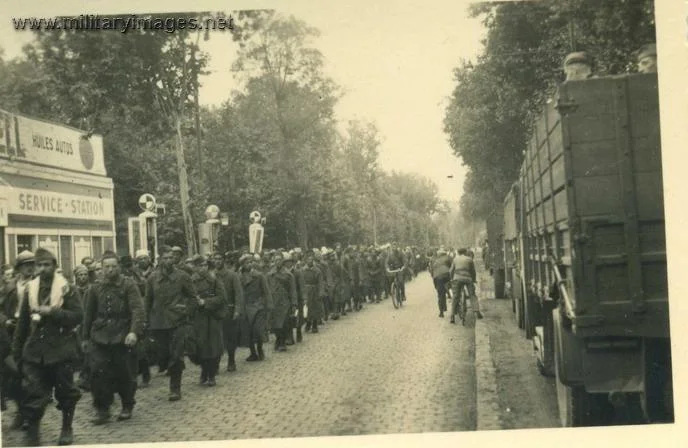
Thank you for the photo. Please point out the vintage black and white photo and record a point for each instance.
(344, 219)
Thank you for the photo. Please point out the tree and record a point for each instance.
(279, 56)
(498, 96)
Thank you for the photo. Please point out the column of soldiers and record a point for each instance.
(121, 316)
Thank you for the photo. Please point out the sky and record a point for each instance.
(392, 58)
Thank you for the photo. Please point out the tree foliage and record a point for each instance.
(273, 146)
(497, 96)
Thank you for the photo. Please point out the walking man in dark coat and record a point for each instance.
(234, 303)
(169, 304)
(113, 323)
(283, 288)
(45, 346)
(211, 307)
(256, 308)
(313, 288)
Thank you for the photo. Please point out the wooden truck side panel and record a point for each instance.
(610, 135)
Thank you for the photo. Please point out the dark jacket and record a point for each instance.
(284, 300)
(208, 317)
(52, 340)
(113, 310)
(169, 299)
(233, 291)
(440, 266)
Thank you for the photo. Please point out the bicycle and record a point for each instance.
(461, 309)
(397, 298)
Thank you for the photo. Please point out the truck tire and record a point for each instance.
(573, 401)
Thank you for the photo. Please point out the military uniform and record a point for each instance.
(313, 288)
(113, 309)
(46, 348)
(169, 304)
(234, 303)
(283, 288)
(257, 304)
(208, 322)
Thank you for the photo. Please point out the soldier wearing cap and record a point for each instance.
(284, 300)
(24, 265)
(144, 267)
(169, 305)
(178, 254)
(210, 310)
(113, 323)
(45, 344)
(235, 297)
(577, 66)
(256, 307)
(328, 281)
(377, 276)
(647, 59)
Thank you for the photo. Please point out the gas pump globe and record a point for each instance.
(209, 231)
(255, 232)
(143, 229)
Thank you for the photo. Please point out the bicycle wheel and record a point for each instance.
(460, 308)
(394, 295)
(463, 309)
(400, 297)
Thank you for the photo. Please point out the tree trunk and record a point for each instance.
(184, 190)
(302, 225)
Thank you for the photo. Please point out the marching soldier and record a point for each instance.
(211, 307)
(312, 285)
(235, 298)
(113, 323)
(145, 346)
(169, 304)
(45, 345)
(81, 286)
(336, 291)
(283, 289)
(257, 304)
(328, 281)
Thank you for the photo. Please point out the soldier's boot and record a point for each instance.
(145, 376)
(315, 326)
(66, 433)
(125, 413)
(261, 353)
(231, 364)
(299, 336)
(102, 416)
(308, 326)
(254, 354)
(290, 336)
(33, 433)
(175, 386)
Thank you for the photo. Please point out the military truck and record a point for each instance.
(512, 249)
(589, 215)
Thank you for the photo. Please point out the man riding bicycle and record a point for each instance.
(396, 260)
(463, 275)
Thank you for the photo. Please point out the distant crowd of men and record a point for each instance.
(120, 316)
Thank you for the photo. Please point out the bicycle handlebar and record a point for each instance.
(395, 271)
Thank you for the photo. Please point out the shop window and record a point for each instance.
(97, 247)
(109, 243)
(82, 248)
(66, 260)
(26, 242)
(50, 243)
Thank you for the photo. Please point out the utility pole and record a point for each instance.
(198, 123)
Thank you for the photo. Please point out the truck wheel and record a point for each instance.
(574, 402)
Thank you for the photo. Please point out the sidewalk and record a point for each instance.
(511, 394)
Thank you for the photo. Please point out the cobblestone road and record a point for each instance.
(378, 371)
